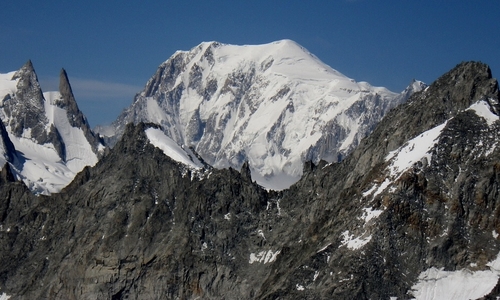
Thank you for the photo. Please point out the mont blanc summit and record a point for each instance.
(274, 105)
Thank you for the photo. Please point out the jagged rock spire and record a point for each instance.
(75, 116)
(68, 102)
(65, 88)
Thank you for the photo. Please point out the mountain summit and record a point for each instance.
(274, 105)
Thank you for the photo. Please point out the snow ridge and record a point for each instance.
(158, 139)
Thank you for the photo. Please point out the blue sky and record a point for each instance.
(111, 48)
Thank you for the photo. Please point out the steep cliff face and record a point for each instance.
(411, 212)
(274, 105)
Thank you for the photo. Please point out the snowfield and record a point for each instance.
(464, 284)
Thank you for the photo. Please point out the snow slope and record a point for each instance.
(274, 105)
(158, 139)
(7, 85)
(456, 285)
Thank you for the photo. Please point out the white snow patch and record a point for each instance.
(404, 157)
(299, 287)
(158, 139)
(263, 257)
(370, 213)
(4, 296)
(482, 109)
(464, 284)
(371, 190)
(316, 274)
(227, 216)
(7, 85)
(354, 243)
(494, 233)
(382, 187)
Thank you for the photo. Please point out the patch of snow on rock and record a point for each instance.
(263, 257)
(463, 284)
(354, 243)
(370, 213)
(415, 150)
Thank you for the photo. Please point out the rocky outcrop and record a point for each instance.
(421, 193)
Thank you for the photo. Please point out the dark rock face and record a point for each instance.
(6, 144)
(140, 226)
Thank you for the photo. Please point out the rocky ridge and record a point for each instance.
(417, 202)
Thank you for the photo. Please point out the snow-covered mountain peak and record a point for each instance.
(47, 139)
(416, 86)
(274, 105)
